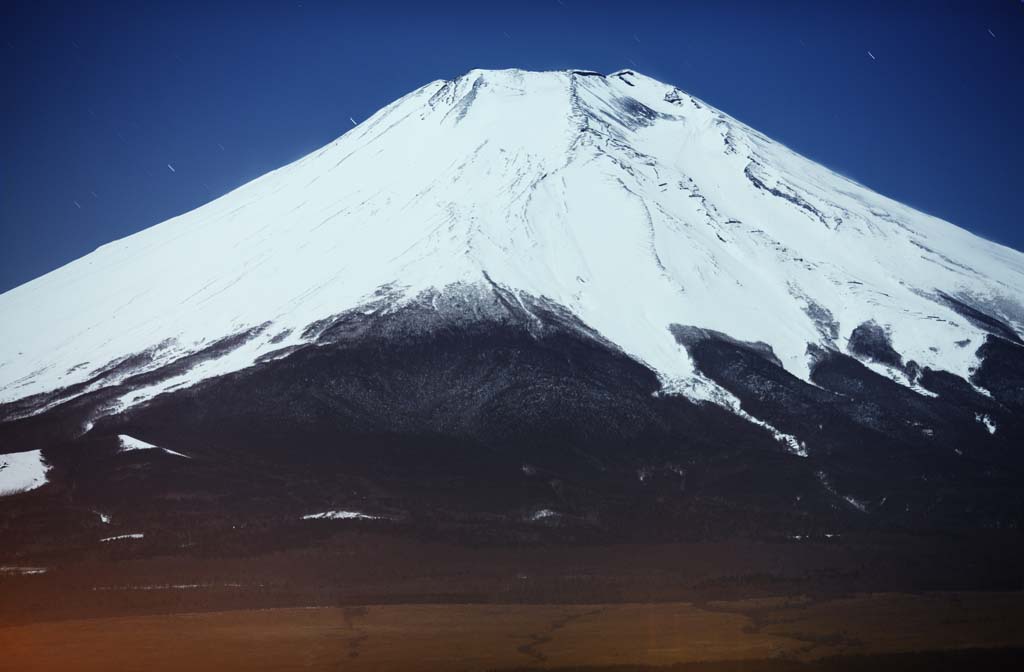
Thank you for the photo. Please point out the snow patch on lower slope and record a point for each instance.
(826, 483)
(129, 443)
(701, 389)
(22, 571)
(542, 514)
(20, 472)
(897, 376)
(987, 421)
(340, 515)
(131, 536)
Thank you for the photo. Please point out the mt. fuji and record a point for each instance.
(519, 300)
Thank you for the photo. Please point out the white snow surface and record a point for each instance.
(700, 388)
(167, 586)
(20, 472)
(986, 420)
(23, 571)
(626, 200)
(340, 515)
(130, 443)
(124, 537)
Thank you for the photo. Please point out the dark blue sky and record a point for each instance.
(97, 100)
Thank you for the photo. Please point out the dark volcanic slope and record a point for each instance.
(503, 427)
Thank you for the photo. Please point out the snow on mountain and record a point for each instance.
(627, 201)
(130, 443)
(20, 472)
(339, 515)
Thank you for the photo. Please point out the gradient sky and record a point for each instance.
(99, 99)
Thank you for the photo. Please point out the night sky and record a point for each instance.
(100, 101)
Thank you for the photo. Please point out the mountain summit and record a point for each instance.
(593, 277)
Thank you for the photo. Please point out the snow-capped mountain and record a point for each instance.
(615, 211)
(626, 201)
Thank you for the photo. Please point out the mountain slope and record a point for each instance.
(521, 298)
(626, 201)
